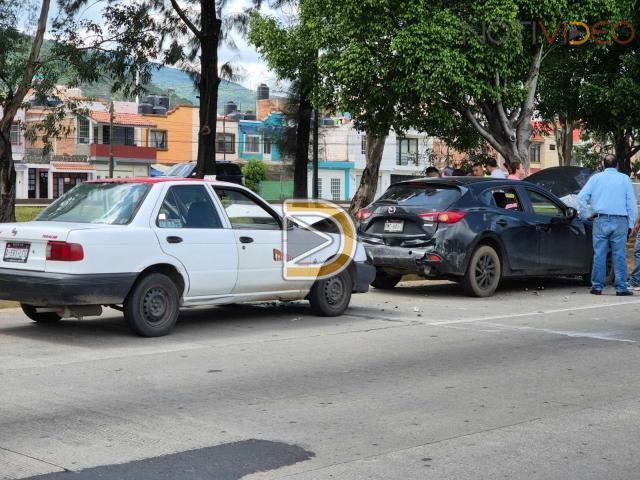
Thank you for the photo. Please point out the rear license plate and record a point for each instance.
(16, 252)
(394, 226)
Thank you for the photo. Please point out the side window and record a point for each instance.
(244, 212)
(544, 206)
(188, 206)
(505, 198)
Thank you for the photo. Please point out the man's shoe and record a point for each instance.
(626, 293)
(635, 288)
(595, 292)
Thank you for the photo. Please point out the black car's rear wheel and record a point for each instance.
(483, 274)
(40, 317)
(385, 281)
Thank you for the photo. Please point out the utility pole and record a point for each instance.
(111, 162)
(316, 121)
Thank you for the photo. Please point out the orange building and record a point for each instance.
(175, 135)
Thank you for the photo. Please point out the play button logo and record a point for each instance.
(319, 239)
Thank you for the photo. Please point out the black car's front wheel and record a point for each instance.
(483, 274)
(385, 281)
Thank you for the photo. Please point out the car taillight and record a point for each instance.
(451, 217)
(443, 217)
(363, 214)
(64, 252)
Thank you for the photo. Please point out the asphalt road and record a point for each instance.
(419, 383)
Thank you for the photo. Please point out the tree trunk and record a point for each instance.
(623, 150)
(7, 180)
(303, 134)
(209, 83)
(564, 140)
(369, 182)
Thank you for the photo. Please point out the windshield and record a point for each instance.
(104, 203)
(181, 170)
(435, 197)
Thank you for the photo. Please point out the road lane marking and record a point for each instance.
(564, 333)
(530, 314)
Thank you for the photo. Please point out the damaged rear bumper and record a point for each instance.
(420, 261)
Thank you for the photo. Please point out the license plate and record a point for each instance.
(393, 226)
(16, 252)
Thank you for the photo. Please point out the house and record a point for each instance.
(258, 139)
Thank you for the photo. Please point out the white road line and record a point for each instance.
(532, 314)
(565, 333)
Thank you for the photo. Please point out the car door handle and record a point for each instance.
(246, 240)
(502, 223)
(174, 239)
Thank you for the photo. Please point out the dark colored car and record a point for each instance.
(225, 172)
(473, 230)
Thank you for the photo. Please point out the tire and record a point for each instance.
(331, 297)
(152, 306)
(483, 274)
(40, 317)
(384, 281)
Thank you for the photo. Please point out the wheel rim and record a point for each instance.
(334, 289)
(156, 305)
(486, 272)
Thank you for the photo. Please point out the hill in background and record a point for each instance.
(184, 92)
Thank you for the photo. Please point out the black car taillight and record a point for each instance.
(363, 214)
(452, 216)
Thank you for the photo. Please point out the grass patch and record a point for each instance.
(24, 214)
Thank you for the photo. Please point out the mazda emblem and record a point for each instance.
(14, 232)
(392, 210)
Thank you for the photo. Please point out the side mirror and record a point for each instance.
(571, 213)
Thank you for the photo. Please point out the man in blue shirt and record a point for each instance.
(614, 211)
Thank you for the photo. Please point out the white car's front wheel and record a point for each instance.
(331, 297)
(153, 305)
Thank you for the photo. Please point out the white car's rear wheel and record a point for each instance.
(40, 317)
(153, 305)
(331, 297)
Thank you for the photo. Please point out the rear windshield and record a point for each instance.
(432, 197)
(105, 203)
(228, 169)
(181, 170)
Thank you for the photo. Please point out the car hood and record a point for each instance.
(562, 181)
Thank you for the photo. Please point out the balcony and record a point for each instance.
(124, 151)
(412, 160)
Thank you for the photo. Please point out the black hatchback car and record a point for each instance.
(473, 230)
(226, 172)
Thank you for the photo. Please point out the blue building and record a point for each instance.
(259, 138)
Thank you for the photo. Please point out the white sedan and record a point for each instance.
(148, 247)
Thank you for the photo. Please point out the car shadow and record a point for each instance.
(194, 325)
(446, 289)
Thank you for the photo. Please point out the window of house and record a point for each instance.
(225, 142)
(336, 189)
(319, 187)
(14, 134)
(543, 206)
(267, 146)
(106, 135)
(363, 144)
(552, 147)
(407, 150)
(83, 130)
(158, 139)
(252, 144)
(534, 153)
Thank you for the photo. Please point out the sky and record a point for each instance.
(252, 69)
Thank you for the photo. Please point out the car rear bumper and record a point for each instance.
(57, 289)
(365, 274)
(404, 260)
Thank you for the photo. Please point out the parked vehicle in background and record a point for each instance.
(473, 230)
(149, 246)
(225, 172)
(564, 182)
